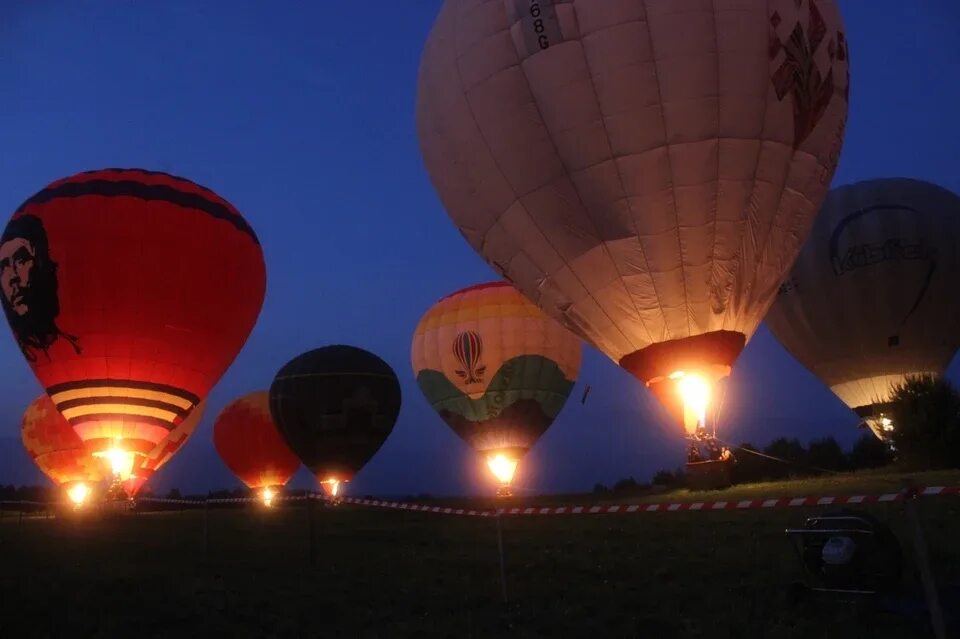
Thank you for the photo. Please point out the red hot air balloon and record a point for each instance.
(250, 445)
(58, 451)
(129, 292)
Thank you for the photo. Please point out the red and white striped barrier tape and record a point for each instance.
(399, 505)
(686, 506)
(741, 504)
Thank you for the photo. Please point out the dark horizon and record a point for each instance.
(312, 138)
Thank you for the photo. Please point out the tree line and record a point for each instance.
(924, 411)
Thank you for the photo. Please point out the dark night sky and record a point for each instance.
(301, 114)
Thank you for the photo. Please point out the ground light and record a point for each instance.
(503, 468)
(267, 496)
(887, 424)
(78, 494)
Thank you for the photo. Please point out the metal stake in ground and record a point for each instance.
(503, 570)
(206, 528)
(311, 529)
(923, 562)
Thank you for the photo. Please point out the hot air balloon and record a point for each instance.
(129, 293)
(873, 296)
(58, 451)
(250, 445)
(496, 369)
(645, 171)
(147, 465)
(335, 407)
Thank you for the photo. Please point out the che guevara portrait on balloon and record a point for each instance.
(28, 278)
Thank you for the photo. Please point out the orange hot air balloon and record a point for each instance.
(645, 171)
(147, 465)
(250, 445)
(57, 450)
(129, 292)
(496, 369)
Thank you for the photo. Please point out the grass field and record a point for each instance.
(404, 574)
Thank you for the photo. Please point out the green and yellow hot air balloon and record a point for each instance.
(496, 369)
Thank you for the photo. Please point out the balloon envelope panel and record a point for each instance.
(644, 170)
(873, 296)
(146, 465)
(496, 369)
(55, 447)
(335, 406)
(130, 293)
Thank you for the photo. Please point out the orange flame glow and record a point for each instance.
(331, 487)
(121, 461)
(78, 494)
(267, 497)
(695, 392)
(502, 467)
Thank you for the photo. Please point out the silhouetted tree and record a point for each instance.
(600, 489)
(869, 452)
(790, 450)
(663, 478)
(174, 494)
(625, 485)
(751, 468)
(826, 453)
(926, 422)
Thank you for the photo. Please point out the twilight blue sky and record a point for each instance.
(301, 114)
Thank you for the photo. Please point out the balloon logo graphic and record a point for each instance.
(468, 347)
(872, 297)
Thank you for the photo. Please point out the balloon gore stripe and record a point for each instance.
(104, 400)
(148, 192)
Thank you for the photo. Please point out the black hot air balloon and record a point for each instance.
(335, 406)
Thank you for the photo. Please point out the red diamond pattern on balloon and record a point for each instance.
(799, 74)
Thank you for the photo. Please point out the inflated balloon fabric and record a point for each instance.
(335, 406)
(645, 171)
(54, 447)
(250, 445)
(129, 293)
(146, 465)
(873, 296)
(496, 369)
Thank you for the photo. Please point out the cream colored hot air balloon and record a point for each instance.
(643, 170)
(873, 296)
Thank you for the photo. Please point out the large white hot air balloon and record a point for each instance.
(873, 296)
(643, 170)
